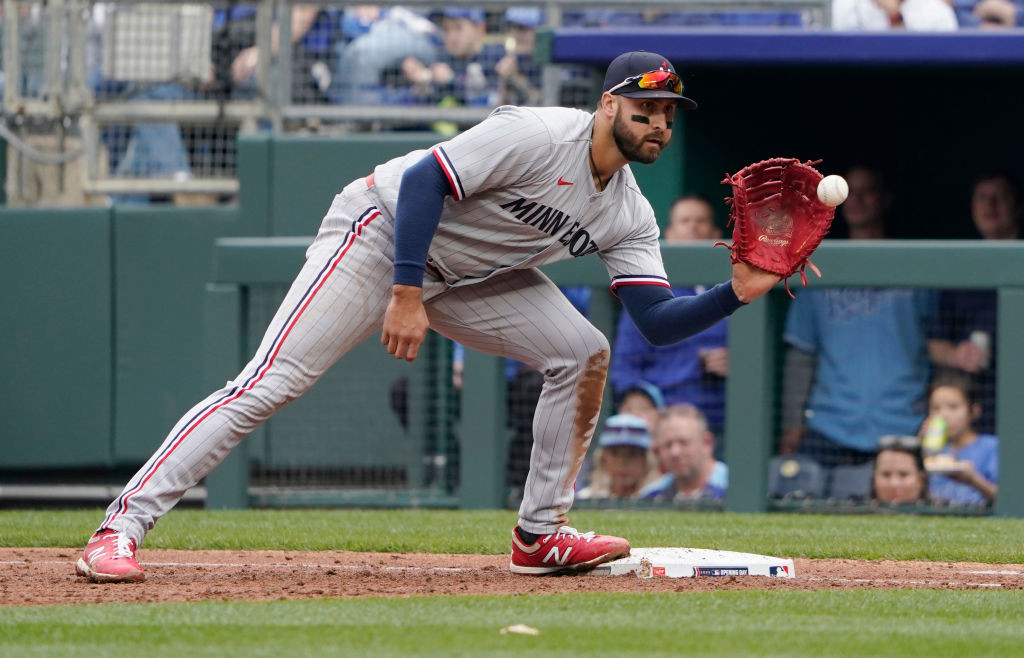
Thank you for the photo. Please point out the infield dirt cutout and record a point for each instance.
(46, 576)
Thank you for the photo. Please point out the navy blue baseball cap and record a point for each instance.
(469, 13)
(640, 74)
(625, 430)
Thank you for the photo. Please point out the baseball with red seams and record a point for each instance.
(832, 190)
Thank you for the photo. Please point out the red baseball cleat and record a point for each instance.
(565, 550)
(109, 557)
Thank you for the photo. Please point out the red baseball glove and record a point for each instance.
(777, 218)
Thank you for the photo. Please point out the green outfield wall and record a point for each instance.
(57, 338)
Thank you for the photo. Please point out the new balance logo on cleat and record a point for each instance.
(559, 560)
(565, 550)
(96, 553)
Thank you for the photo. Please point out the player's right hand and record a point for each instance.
(405, 322)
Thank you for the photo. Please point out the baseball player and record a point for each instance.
(450, 239)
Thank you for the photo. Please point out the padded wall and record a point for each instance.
(162, 260)
(308, 171)
(55, 338)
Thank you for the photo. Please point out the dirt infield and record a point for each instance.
(46, 576)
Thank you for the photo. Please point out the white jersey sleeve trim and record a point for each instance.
(449, 170)
(639, 280)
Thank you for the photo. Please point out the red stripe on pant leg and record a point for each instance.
(276, 350)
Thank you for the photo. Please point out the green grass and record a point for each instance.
(851, 623)
(769, 622)
(434, 531)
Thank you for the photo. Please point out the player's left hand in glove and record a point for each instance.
(777, 218)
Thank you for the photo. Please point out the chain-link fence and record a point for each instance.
(140, 101)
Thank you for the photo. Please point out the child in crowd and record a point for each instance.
(970, 472)
(645, 400)
(623, 462)
(899, 475)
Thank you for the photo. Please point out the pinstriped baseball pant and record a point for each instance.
(338, 300)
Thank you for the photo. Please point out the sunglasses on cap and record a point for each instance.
(899, 442)
(664, 80)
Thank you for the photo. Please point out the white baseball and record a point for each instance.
(832, 190)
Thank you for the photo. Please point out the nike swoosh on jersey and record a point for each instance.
(563, 182)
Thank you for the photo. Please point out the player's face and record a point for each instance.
(642, 127)
(950, 403)
(897, 478)
(994, 209)
(691, 219)
(683, 446)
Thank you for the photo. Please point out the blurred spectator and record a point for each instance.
(995, 205)
(966, 472)
(519, 75)
(152, 149)
(145, 149)
(864, 214)
(691, 218)
(356, 20)
(683, 442)
(899, 476)
(922, 15)
(644, 400)
(693, 370)
(964, 338)
(368, 69)
(857, 364)
(465, 73)
(236, 55)
(623, 462)
(989, 13)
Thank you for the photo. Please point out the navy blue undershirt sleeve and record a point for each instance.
(664, 319)
(420, 200)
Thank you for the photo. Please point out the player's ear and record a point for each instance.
(608, 103)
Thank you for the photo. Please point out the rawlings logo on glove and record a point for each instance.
(777, 218)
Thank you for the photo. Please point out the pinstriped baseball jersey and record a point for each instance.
(523, 196)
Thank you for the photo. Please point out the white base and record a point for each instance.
(694, 563)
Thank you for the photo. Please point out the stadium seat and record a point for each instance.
(851, 482)
(795, 477)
